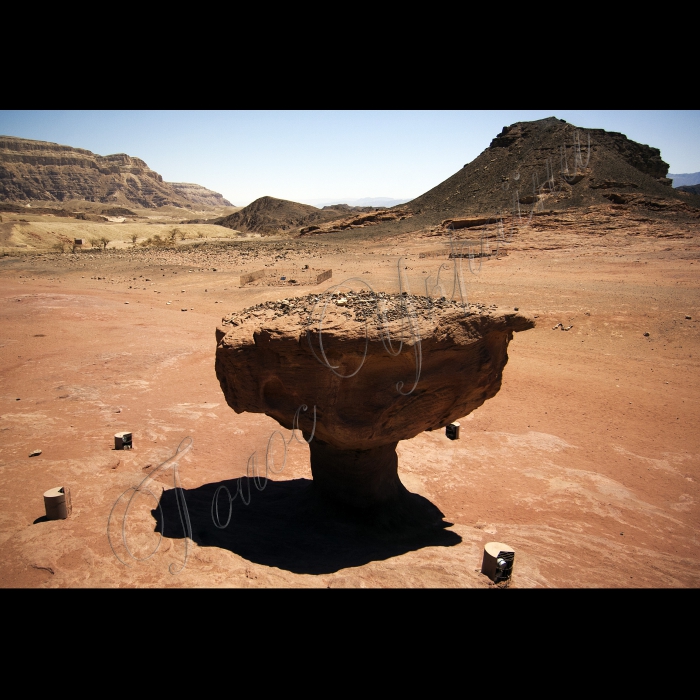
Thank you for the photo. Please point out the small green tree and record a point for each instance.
(104, 241)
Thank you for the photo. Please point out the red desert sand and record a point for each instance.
(585, 461)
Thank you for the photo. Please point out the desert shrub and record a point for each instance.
(155, 241)
(134, 237)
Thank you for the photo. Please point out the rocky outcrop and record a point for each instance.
(359, 220)
(51, 172)
(117, 211)
(344, 356)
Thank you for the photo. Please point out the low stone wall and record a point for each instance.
(461, 251)
(437, 253)
(284, 277)
(252, 276)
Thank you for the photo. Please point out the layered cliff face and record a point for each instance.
(200, 195)
(547, 161)
(39, 170)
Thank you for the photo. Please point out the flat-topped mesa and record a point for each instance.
(377, 368)
(44, 171)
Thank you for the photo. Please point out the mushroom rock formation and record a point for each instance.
(377, 369)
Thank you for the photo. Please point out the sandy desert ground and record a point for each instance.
(587, 462)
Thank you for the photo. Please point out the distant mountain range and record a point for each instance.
(681, 179)
(363, 202)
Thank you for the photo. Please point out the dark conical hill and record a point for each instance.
(523, 156)
(270, 215)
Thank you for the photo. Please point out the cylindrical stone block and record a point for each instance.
(122, 441)
(498, 561)
(57, 503)
(452, 431)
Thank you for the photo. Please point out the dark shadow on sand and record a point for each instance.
(288, 525)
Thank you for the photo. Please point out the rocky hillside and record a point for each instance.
(546, 163)
(50, 172)
(200, 195)
(270, 215)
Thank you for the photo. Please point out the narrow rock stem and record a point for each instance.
(360, 478)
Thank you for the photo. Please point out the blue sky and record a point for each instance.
(322, 156)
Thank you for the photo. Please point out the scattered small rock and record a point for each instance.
(515, 308)
(646, 335)
(688, 318)
(183, 309)
(35, 453)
